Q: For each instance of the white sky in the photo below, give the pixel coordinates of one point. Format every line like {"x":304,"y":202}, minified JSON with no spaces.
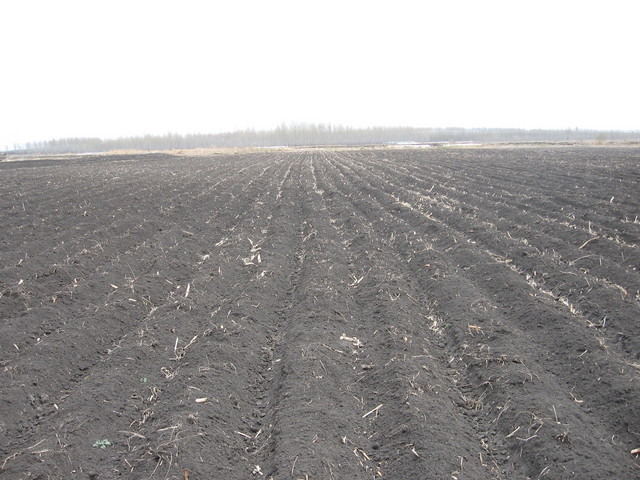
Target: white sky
{"x":119,"y":68}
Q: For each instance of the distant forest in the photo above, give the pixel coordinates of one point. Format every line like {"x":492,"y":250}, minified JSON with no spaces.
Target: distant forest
{"x":323,"y":134}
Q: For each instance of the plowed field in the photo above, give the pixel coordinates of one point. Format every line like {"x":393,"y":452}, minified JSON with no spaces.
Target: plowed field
{"x":347,"y":314}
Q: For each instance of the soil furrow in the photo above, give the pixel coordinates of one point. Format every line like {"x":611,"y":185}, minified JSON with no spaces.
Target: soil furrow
{"x":405,"y":367}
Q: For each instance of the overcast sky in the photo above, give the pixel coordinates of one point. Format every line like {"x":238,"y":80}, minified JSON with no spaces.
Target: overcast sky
{"x":120,"y":68}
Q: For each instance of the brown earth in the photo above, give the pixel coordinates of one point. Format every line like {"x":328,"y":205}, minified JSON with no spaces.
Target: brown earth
{"x":437,"y":313}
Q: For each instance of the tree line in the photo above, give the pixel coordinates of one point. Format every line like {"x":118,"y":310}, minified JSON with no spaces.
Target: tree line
{"x":299,"y":134}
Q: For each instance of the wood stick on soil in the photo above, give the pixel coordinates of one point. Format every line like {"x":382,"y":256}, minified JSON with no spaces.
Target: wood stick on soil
{"x":375,"y":410}
{"x":587,"y":242}
{"x":512,"y":433}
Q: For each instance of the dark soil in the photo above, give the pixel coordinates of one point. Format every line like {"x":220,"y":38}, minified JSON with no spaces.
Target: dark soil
{"x":347,"y":314}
